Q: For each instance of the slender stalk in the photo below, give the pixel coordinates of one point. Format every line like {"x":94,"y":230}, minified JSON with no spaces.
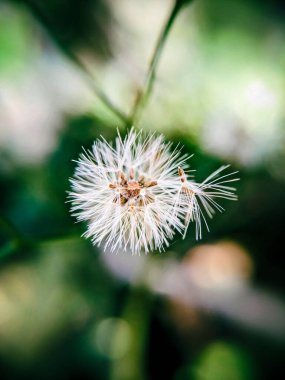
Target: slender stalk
{"x":93,"y":85}
{"x":137,"y":314}
{"x":144,"y":94}
{"x":34,"y":9}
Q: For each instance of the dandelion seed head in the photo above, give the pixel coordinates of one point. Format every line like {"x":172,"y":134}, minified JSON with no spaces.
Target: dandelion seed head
{"x":134,"y":194}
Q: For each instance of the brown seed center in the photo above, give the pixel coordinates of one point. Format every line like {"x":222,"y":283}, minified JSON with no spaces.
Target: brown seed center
{"x":128,"y":188}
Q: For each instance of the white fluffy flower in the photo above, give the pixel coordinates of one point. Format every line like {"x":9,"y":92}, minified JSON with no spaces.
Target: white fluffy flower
{"x":135,"y":194}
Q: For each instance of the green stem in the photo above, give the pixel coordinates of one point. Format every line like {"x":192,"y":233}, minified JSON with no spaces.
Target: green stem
{"x":34,"y":9}
{"x":136,"y":313}
{"x":144,"y":94}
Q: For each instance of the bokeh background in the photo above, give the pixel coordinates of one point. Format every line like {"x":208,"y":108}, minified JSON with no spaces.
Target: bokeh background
{"x":203,"y":310}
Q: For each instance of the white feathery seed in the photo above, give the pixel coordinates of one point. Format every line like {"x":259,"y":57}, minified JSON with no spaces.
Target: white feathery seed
{"x":135,"y":194}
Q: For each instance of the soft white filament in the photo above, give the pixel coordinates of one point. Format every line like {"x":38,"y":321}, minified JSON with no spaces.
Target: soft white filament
{"x":135,"y":194}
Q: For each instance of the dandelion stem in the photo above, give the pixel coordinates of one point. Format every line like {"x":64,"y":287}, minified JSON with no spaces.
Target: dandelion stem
{"x":143,"y":94}
{"x":136,"y":313}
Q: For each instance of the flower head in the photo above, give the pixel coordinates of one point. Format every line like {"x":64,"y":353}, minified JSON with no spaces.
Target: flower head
{"x":135,"y":194}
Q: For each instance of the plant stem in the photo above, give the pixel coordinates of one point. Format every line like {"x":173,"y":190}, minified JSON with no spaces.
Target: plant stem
{"x":136,"y":313}
{"x":34,"y":9}
{"x":143,"y":94}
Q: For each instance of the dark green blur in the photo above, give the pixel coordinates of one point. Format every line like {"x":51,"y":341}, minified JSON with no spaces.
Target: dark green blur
{"x":65,"y":312}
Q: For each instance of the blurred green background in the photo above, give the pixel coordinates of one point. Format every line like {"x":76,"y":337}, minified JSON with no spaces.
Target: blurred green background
{"x":207,"y":310}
